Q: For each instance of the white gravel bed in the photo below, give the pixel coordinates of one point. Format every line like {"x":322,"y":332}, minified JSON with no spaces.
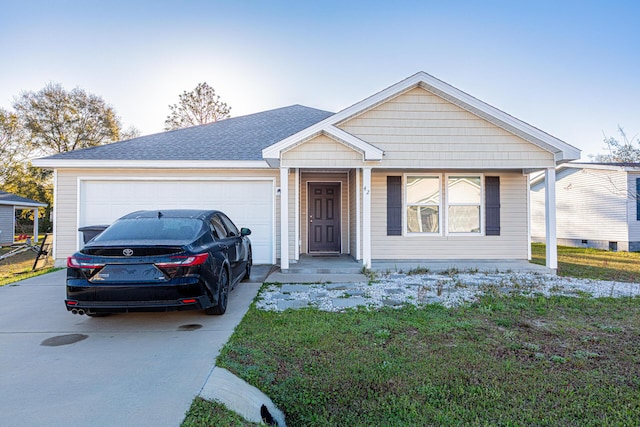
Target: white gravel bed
{"x":396,"y":290}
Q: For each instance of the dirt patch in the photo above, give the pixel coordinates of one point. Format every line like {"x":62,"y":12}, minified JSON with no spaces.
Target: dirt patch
{"x":16,"y":264}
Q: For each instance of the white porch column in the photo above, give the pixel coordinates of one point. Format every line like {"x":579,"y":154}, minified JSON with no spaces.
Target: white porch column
{"x":35,"y":225}
{"x":366,"y":217}
{"x":284,"y":218}
{"x":550,"y":217}
{"x":296,"y":223}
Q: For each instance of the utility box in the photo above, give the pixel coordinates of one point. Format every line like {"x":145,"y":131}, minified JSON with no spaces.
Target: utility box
{"x":91,"y":231}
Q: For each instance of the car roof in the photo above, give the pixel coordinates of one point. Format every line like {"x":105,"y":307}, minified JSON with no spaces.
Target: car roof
{"x":171,"y":213}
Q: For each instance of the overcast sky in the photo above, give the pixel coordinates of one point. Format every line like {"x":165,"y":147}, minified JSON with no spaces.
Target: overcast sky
{"x":570,"y":68}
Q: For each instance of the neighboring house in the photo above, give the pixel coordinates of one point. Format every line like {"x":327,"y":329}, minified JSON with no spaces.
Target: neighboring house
{"x":597,"y":206}
{"x":418,"y":171}
{"x":9,"y":204}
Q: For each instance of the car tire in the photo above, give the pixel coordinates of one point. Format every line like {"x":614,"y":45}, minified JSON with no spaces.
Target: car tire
{"x":247,"y":271}
{"x":223,"y":294}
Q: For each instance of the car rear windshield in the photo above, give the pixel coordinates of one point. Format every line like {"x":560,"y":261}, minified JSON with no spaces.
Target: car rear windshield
{"x":151,"y":229}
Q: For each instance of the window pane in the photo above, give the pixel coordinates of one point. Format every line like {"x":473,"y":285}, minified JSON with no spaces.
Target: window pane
{"x":422,"y":219}
{"x":464,"y":219}
{"x":423,"y":190}
{"x":151,"y":229}
{"x":464,"y":189}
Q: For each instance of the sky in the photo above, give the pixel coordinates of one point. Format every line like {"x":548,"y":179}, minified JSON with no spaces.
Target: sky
{"x":570,"y":68}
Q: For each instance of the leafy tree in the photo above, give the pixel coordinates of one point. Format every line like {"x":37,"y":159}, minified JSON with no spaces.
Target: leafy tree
{"x":34,"y":183}
{"x":56,"y":120}
{"x":12,"y":148}
{"x":620,"y":151}
{"x":51,"y":121}
{"x":197,"y":107}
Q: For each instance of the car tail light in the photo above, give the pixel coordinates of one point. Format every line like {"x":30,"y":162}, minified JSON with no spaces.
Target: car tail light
{"x":82,"y":262}
{"x":184,"y":261}
{"x":189,"y":301}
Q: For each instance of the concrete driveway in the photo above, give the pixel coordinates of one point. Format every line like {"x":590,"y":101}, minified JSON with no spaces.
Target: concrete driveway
{"x":142,"y":369}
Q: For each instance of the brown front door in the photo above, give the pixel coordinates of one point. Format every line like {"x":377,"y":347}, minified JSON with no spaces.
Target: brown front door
{"x":324,"y":217}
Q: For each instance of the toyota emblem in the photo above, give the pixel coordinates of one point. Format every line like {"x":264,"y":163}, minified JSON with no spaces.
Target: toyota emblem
{"x":127,"y":252}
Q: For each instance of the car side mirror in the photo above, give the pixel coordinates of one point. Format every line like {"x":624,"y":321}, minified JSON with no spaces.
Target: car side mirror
{"x":245,"y":231}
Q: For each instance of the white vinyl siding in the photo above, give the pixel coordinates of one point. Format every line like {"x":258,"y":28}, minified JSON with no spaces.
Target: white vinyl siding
{"x":6,"y":223}
{"x":69,"y":203}
{"x":591,"y":204}
{"x":418,"y":129}
{"x":510,"y":244}
{"x":322,"y":151}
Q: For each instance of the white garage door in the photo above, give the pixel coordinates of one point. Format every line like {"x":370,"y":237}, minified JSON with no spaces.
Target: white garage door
{"x":249,"y":203}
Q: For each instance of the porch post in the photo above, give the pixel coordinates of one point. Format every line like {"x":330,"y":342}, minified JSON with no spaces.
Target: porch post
{"x":358,"y":221}
{"x":296,"y":222}
{"x":284,"y":219}
{"x":366,"y":217}
{"x":550,"y":217}
{"x":35,"y":225}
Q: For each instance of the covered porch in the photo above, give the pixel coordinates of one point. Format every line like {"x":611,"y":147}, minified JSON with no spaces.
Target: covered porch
{"x":327,"y":216}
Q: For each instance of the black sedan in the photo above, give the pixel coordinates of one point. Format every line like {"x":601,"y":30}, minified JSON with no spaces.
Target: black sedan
{"x":159,"y":261}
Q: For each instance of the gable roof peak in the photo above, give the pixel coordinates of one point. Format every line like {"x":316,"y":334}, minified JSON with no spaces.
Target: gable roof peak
{"x":562,"y":151}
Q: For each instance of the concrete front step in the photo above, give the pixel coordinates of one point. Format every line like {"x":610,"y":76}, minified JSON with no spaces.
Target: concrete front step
{"x":279,"y":277}
{"x":324,"y":270}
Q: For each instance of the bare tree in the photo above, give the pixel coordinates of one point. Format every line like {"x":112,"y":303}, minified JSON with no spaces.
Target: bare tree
{"x":625,"y":151}
{"x":197,"y":107}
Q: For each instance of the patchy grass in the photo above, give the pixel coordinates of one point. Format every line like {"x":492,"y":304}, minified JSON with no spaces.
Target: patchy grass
{"x":18,"y":267}
{"x":501,"y":361}
{"x":591,"y":263}
{"x":208,"y":414}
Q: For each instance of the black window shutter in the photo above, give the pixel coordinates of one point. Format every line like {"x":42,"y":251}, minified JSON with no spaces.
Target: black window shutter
{"x":394,"y":206}
{"x":492,"y":205}
{"x":637,"y":199}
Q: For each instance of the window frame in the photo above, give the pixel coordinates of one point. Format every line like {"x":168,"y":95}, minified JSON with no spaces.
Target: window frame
{"x":406,"y":204}
{"x":481,"y":204}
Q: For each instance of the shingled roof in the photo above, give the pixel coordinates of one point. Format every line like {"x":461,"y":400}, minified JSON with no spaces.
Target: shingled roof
{"x":12,"y":199}
{"x":237,"y":138}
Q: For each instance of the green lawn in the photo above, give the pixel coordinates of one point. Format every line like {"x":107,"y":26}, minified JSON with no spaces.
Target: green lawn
{"x":592,"y":263}
{"x":19,"y":267}
{"x":507,"y":361}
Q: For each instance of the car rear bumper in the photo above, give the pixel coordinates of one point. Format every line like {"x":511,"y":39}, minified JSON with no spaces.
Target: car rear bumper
{"x":137,"y":306}
{"x":82,"y":295}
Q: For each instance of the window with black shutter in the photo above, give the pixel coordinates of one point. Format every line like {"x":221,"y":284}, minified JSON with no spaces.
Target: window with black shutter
{"x":492,"y":205}
{"x":394,"y":206}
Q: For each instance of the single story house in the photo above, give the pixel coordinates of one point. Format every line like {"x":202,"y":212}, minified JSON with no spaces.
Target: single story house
{"x":417,"y":171}
{"x":9,"y":204}
{"x":597,"y":206}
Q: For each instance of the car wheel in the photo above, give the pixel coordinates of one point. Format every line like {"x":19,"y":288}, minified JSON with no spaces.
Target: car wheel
{"x":223,"y":294}
{"x":247,"y":272}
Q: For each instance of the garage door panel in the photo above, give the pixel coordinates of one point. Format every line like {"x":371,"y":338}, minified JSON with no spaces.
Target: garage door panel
{"x":248,"y":203}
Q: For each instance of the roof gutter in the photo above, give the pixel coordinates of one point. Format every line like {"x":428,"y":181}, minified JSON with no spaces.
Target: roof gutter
{"x":49,"y":163}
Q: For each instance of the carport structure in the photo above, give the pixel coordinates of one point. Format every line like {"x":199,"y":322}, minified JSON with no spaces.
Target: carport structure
{"x":9,"y":204}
